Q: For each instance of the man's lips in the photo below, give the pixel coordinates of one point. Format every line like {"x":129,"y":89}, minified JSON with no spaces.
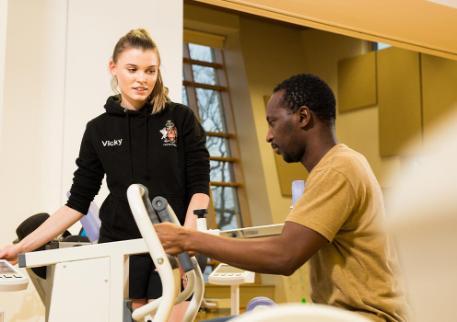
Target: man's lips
{"x":275,"y":148}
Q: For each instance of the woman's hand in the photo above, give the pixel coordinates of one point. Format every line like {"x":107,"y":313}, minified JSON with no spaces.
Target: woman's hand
{"x":10,"y":253}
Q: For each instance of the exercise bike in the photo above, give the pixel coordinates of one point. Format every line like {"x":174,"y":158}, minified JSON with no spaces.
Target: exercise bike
{"x":90,"y":282}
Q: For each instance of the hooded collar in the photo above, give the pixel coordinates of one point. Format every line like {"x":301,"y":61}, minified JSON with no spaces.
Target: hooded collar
{"x":113,"y":106}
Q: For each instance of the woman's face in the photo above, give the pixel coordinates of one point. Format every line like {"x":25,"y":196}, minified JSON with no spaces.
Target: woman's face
{"x":136,"y":71}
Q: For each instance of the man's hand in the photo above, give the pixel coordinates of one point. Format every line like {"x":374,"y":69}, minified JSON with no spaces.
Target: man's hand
{"x":174,"y":238}
{"x":10,"y":253}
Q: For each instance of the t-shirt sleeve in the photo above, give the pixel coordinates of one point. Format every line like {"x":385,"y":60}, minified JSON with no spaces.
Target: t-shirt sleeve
{"x":197,"y":156}
{"x":326,"y":204}
{"x":87,"y":178}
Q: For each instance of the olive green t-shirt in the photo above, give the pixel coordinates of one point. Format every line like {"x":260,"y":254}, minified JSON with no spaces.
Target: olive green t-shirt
{"x":355,"y":270}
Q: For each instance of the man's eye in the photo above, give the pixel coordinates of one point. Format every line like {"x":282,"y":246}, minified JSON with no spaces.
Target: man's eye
{"x":131,"y":70}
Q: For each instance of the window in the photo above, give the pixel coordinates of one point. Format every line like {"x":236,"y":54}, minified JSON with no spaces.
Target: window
{"x":380,"y":46}
{"x":205,"y":90}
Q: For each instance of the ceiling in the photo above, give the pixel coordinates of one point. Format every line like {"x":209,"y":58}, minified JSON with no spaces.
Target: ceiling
{"x":428,"y":26}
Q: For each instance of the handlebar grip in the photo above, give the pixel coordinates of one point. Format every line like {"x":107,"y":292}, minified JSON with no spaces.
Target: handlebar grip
{"x":160,"y":204}
{"x":147,"y":203}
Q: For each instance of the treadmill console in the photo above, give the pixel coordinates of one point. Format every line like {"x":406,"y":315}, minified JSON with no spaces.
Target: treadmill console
{"x":10,"y":278}
{"x":225,"y":274}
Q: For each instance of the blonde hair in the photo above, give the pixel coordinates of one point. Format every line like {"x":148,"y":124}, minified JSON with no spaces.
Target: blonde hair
{"x":140,"y":38}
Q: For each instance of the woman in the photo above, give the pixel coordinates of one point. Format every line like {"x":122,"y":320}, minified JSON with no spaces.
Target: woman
{"x":144,"y":138}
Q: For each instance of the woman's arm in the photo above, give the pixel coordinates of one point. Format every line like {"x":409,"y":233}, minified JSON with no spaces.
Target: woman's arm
{"x":51,"y":228}
{"x":198,"y":201}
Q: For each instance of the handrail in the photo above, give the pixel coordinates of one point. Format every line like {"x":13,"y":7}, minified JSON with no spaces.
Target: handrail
{"x":145,"y":215}
{"x":134,"y":195}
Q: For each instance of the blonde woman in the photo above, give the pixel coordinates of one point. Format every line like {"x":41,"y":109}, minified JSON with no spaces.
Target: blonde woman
{"x":142,"y":137}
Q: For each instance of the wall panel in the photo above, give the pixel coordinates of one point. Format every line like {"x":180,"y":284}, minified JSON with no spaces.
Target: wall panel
{"x":399,"y":99}
{"x":439,"y":82}
{"x":357,"y":82}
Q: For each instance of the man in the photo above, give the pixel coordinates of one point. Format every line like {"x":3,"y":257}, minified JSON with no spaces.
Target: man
{"x":335,"y":224}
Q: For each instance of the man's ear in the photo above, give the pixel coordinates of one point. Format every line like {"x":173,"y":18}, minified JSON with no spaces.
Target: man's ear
{"x":304,"y":114}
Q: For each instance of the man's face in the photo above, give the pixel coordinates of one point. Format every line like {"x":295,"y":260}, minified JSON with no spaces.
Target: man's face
{"x":283,"y":130}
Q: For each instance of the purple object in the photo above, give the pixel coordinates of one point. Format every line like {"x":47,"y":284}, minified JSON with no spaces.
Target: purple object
{"x":259,"y":301}
{"x":298,"y":187}
{"x":91,"y":223}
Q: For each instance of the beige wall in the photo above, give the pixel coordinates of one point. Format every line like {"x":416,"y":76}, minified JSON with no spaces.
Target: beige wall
{"x":3,"y":24}
{"x":53,"y":79}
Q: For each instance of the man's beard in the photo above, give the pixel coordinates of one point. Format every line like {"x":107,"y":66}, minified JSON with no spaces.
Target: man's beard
{"x":292,"y":158}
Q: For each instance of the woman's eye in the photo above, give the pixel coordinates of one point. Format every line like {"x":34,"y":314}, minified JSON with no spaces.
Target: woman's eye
{"x":151,"y":71}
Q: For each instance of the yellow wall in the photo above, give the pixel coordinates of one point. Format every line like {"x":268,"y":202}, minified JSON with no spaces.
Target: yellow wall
{"x":255,"y":64}
{"x":272,"y":52}
{"x":259,"y":54}
{"x":359,"y":128}
{"x":381,"y":21}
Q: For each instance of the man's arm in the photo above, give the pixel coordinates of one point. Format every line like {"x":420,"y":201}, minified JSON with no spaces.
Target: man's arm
{"x":281,"y":254}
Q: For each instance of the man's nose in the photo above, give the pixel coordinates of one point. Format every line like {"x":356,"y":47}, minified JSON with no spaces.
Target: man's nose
{"x":269,"y":136}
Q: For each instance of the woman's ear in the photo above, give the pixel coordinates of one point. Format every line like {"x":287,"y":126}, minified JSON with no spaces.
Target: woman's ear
{"x":112,"y":67}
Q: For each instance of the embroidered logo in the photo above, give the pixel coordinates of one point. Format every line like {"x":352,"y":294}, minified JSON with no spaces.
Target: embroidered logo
{"x":112,"y":142}
{"x":169,"y":134}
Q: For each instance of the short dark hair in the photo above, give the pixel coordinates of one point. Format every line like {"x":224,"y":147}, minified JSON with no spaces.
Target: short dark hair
{"x":311,"y":91}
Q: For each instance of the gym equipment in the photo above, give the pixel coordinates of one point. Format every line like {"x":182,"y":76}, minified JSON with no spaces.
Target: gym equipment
{"x":251,"y":232}
{"x":10,"y":278}
{"x":89,"y":282}
{"x":259,"y":302}
{"x":300,"y":313}
{"x":144,"y":216}
{"x":201,"y":219}
{"x":225,"y":274}
{"x":298,"y":188}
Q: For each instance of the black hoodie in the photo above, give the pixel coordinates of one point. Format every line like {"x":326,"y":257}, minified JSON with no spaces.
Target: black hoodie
{"x":165,"y":152}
